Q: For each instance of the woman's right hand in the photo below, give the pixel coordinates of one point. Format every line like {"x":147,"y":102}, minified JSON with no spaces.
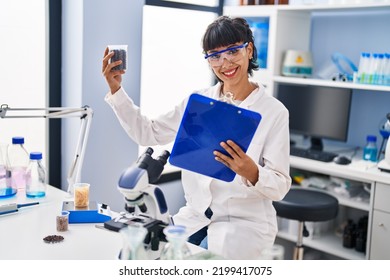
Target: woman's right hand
{"x":113,"y":77}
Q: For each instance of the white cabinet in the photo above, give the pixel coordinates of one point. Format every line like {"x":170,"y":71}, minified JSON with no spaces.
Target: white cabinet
{"x":380,"y":237}
{"x":328,"y":236}
{"x":376,"y":208}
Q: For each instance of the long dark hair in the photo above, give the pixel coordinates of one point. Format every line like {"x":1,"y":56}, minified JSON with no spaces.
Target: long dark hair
{"x":226,"y":31}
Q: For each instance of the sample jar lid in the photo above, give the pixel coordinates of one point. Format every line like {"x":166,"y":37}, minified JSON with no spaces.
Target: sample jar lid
{"x":35,"y":155}
{"x":17,"y":140}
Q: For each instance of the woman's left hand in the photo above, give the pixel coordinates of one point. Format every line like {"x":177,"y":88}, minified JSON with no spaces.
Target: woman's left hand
{"x":238,"y":161}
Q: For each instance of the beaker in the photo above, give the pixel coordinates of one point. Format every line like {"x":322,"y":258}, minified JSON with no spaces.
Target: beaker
{"x":176,"y":248}
{"x":6,"y":189}
{"x":133,"y":242}
{"x":274,"y":252}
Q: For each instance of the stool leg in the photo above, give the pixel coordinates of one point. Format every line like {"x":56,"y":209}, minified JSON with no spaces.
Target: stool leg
{"x":298,"y":250}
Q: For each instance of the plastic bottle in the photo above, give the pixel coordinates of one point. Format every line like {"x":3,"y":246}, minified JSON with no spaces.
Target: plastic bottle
{"x":6,"y":189}
{"x":375,"y":68}
{"x":386,"y":69}
{"x":371,"y":68}
{"x":18,"y":161}
{"x":370,"y":151}
{"x":379,"y":75}
{"x":35,"y":176}
{"x":363,"y":67}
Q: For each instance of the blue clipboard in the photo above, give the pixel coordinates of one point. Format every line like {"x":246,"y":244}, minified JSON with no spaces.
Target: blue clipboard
{"x":206,"y":122}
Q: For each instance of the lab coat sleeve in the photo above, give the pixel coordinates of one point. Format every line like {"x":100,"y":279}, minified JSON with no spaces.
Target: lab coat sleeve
{"x":274,"y":179}
{"x":144,"y":131}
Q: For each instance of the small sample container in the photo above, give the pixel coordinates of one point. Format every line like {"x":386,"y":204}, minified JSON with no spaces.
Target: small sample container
{"x":81,"y":195}
{"x":62,"y":221}
{"x":120,"y":53}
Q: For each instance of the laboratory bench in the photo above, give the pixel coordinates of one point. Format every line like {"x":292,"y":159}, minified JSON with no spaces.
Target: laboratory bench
{"x":22,"y":233}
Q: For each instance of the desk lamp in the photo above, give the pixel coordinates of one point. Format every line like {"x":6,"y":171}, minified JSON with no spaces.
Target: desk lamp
{"x":84,"y":113}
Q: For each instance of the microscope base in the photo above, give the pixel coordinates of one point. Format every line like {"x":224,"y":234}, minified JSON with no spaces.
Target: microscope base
{"x":154,"y":227}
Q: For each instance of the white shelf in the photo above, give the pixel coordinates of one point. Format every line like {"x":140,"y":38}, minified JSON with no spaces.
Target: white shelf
{"x":328,"y":242}
{"x":354,"y":171}
{"x":365,"y":206}
{"x":335,"y":7}
{"x":327,"y":83}
{"x":344,"y":201}
{"x":261,"y":10}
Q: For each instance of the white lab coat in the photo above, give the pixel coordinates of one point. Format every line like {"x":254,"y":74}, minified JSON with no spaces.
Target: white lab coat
{"x":244,"y":220}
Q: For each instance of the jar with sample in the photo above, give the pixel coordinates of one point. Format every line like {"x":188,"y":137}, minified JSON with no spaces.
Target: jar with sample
{"x":35,"y":176}
{"x":81,"y":195}
{"x":120,"y":53}
{"x":18,"y":160}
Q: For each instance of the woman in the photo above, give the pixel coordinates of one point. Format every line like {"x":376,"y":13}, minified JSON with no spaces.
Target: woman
{"x":237,"y":218}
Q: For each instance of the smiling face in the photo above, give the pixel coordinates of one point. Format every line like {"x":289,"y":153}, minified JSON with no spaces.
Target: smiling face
{"x":228,"y":46}
{"x":230,"y":63}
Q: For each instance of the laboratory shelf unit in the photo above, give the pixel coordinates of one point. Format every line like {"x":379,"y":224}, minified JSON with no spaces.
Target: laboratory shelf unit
{"x":326,"y":83}
{"x":290,"y":28}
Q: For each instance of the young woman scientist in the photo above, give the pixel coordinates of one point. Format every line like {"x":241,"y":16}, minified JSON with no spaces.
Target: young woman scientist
{"x":237,"y":217}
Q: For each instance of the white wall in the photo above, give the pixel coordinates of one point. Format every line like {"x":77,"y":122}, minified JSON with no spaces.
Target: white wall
{"x":23,"y":75}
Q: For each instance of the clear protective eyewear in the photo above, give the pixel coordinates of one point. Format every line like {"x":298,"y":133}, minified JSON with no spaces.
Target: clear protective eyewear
{"x":232,"y":54}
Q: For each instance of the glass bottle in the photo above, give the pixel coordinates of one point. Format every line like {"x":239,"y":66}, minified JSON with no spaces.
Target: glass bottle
{"x":6,"y":189}
{"x":35,"y":176}
{"x":370,"y":151}
{"x":133,"y":242}
{"x":176,"y":248}
{"x":18,"y":160}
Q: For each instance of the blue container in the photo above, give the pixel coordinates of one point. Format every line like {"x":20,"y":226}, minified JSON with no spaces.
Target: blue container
{"x":370,"y":151}
{"x":260,"y":30}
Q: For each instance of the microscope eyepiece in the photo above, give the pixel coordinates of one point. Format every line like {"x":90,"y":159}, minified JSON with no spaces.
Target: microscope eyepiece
{"x":164,"y":157}
{"x":149,"y":151}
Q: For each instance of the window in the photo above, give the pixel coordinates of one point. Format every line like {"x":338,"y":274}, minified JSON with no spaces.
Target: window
{"x":173,"y":65}
{"x":23,"y":30}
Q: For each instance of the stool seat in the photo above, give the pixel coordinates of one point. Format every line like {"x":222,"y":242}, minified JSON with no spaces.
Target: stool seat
{"x":307,"y":206}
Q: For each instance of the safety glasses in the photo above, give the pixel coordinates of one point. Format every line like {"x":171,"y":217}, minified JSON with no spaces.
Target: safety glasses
{"x":232,"y":54}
